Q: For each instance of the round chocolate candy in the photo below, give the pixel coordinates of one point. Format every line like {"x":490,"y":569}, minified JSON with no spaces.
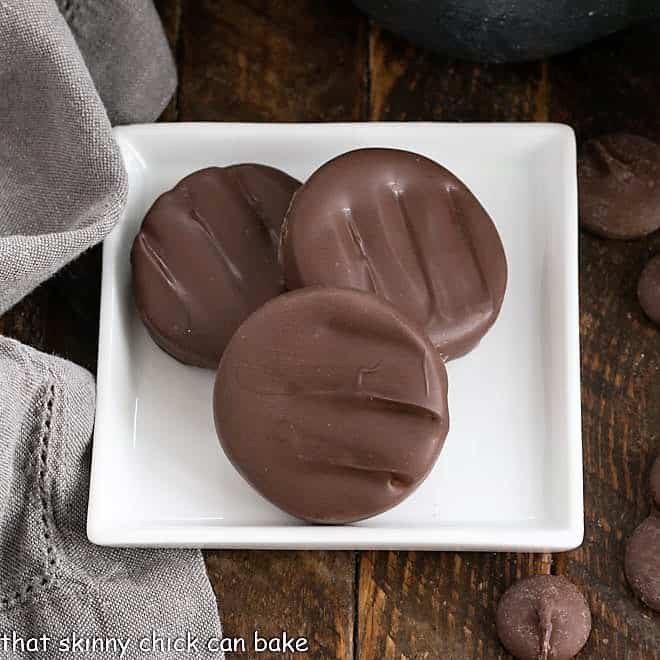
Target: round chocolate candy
{"x":655,"y":480}
{"x":543,"y":617}
{"x":642,"y":563}
{"x":203,"y":259}
{"x":401,"y":226}
{"x":648,"y":289}
{"x":619,"y":186}
{"x":331,"y":404}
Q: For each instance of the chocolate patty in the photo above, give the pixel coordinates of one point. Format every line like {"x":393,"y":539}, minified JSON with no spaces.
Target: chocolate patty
{"x":543,"y":617}
{"x":203,"y":259}
{"x":655,"y":480}
{"x":619,"y":186}
{"x":648,"y":289}
{"x":331,"y":404}
{"x":403,"y":227}
{"x":642,"y":562}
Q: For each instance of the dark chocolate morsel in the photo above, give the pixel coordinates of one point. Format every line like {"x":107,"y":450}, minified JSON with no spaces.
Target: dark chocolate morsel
{"x":203,"y":259}
{"x":642,"y":562}
{"x":331,"y":404}
{"x":619,"y":186}
{"x":648,"y":289}
{"x":403,"y":227}
{"x":655,"y":480}
{"x":543,"y":617}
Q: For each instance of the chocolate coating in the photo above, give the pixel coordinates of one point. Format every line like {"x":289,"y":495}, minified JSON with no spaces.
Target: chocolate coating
{"x":331,"y":404}
{"x":543,"y":617}
{"x":619,"y":186}
{"x":268,"y":191}
{"x":642,"y":563}
{"x":655,"y":480}
{"x":648,"y":289}
{"x":203,"y":259}
{"x":401,"y":226}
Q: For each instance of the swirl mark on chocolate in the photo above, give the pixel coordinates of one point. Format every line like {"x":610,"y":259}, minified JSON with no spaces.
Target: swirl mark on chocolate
{"x":157,"y":261}
{"x":545,"y":614}
{"x":358,"y":241}
{"x":395,"y":479}
{"x":168,"y":276}
{"x":253,"y":202}
{"x":319,"y":444}
{"x":463,"y":229}
{"x":358,"y":398}
{"x":365,"y":371}
{"x":431,"y":302}
{"x":609,"y":162}
{"x":425,"y":370}
{"x":346,"y":458}
{"x":197,"y":217}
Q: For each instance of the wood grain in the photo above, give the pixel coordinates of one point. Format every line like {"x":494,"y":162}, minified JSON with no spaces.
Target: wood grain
{"x":408,"y":84}
{"x":621,"y":419}
{"x":62,"y":315}
{"x":611,"y":86}
{"x":435,"y":605}
{"x":306,"y":594}
{"x":271,"y":60}
{"x":170,"y":16}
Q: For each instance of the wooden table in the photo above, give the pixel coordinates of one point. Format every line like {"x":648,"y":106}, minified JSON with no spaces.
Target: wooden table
{"x":313,"y":60}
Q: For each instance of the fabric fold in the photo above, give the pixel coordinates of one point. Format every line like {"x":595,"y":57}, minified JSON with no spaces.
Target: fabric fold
{"x":124,"y":48}
{"x":54,"y":582}
{"x":62,"y":182}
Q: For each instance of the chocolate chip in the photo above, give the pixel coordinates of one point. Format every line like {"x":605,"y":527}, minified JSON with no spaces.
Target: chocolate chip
{"x":648,"y":289}
{"x":619,"y":186}
{"x":544,"y":617}
{"x":642,"y":562}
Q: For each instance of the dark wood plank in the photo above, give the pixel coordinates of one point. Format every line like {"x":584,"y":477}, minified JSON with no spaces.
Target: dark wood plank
{"x":611,"y":86}
{"x":26,"y":321}
{"x":306,"y":594}
{"x":621,"y":419}
{"x":272,"y":60}
{"x":277,"y":61}
{"x":441,"y":605}
{"x":408,"y":83}
{"x":170,"y":16}
{"x":435,"y":605}
{"x":62,"y":315}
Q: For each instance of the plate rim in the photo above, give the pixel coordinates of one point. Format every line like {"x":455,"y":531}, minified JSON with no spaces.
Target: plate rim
{"x":566,"y":536}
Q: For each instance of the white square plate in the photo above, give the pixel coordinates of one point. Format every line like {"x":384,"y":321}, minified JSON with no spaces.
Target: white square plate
{"x":510,"y":475}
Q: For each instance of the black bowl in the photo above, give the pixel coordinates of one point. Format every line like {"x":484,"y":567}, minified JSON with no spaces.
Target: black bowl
{"x":507,"y":30}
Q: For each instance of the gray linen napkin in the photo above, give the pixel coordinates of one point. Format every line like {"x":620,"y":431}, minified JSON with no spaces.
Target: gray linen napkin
{"x":62,"y":188}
